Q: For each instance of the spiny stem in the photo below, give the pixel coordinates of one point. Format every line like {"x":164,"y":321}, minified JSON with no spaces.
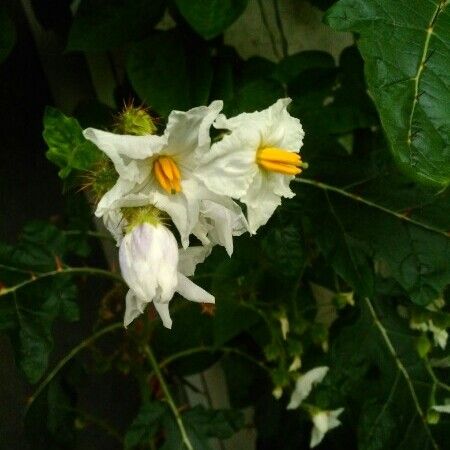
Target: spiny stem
{"x":65,"y":271}
{"x":357,"y":198}
{"x":154,"y":363}
{"x":82,"y":345}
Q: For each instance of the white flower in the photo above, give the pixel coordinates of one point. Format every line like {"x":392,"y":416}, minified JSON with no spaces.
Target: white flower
{"x":440,"y":335}
{"x":159,"y":170}
{"x":152,"y":267}
{"x":442,"y":408}
{"x":256,"y":161}
{"x":323,"y":422}
{"x":304,"y":385}
{"x":220,"y":219}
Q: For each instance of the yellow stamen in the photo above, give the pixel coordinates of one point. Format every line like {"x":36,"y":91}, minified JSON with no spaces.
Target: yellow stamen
{"x":279,"y":160}
{"x":167,"y":174}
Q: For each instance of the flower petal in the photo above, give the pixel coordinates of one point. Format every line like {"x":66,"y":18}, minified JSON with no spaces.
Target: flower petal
{"x":189,"y":131}
{"x":188,"y":258}
{"x":261,"y":202}
{"x":229,"y":167}
{"x":127,"y":152}
{"x":134,"y":307}
{"x":190,"y":291}
{"x":304,"y":385}
{"x":163,"y":310}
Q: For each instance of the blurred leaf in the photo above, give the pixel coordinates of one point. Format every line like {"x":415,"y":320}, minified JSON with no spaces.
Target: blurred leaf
{"x":100,"y":25}
{"x":33,"y":309}
{"x":293,"y":65}
{"x":190,"y":329}
{"x":146,"y":424}
{"x":37,"y":307}
{"x":7,"y":34}
{"x":209,"y":18}
{"x":202,"y":424}
{"x":393,"y":386}
{"x":67,"y":147}
{"x":408,"y":81}
{"x":255,"y":96}
{"x":170,"y":70}
{"x":285,"y":251}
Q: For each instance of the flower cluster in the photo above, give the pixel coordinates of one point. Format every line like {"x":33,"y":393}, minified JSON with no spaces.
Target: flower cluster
{"x":197,"y":184}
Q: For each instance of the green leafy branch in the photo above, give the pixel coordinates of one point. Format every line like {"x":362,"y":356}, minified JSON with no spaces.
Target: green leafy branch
{"x":402,"y":369}
{"x":55,"y":273}
{"x":371,"y":204}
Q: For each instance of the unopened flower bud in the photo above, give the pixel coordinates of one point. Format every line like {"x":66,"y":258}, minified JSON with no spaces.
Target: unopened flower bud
{"x":134,"y":121}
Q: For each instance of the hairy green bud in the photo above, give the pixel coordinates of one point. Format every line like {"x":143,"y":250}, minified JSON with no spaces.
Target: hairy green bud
{"x":134,"y":120}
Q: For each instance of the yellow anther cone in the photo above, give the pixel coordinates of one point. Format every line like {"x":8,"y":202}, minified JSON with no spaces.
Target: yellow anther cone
{"x":279,"y":160}
{"x":167,"y":174}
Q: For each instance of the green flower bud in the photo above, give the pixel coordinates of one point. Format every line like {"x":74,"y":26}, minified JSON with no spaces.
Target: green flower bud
{"x":135,"y":121}
{"x":433,"y":417}
{"x":423,"y":346}
{"x":143,"y":214}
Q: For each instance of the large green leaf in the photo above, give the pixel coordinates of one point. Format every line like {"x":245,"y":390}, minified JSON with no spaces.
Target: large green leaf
{"x":7,"y":34}
{"x":67,"y":147}
{"x":101,"y":25}
{"x":170,"y":70}
{"x":375,"y":363}
{"x":29,"y":312}
{"x":146,"y":424}
{"x":405,"y":47}
{"x":202,"y":424}
{"x":211,"y":17}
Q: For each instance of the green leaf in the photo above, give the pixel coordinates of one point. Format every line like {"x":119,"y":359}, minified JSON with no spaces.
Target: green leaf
{"x":255,"y":96}
{"x":202,"y":424}
{"x":100,"y":25}
{"x":145,"y":425}
{"x":37,"y":308}
{"x":30,"y":312}
{"x":170,"y":70}
{"x":381,"y":369}
{"x":408,"y":81}
{"x":67,"y":147}
{"x":209,"y":18}
{"x":219,"y":423}
{"x":293,"y":65}
{"x":7,"y":34}
{"x":285,"y":251}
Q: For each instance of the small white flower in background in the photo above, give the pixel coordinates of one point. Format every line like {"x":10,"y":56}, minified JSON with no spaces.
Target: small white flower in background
{"x":442,"y":408}
{"x":440,"y":335}
{"x":304,"y":385}
{"x":324,"y":421}
{"x":256,"y":161}
{"x":150,"y":265}
{"x":161,"y":170}
{"x":284,"y":324}
{"x":295,"y":364}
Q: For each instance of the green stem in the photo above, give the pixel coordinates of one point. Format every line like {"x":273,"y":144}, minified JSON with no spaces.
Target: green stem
{"x":154,"y":363}
{"x":357,"y":198}
{"x":384,"y":334}
{"x":192,"y":351}
{"x":67,"y":271}
{"x":436,"y":380}
{"x":82,"y":345}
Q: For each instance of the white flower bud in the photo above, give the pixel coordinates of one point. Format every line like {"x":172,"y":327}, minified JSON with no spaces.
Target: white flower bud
{"x":148,"y":259}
